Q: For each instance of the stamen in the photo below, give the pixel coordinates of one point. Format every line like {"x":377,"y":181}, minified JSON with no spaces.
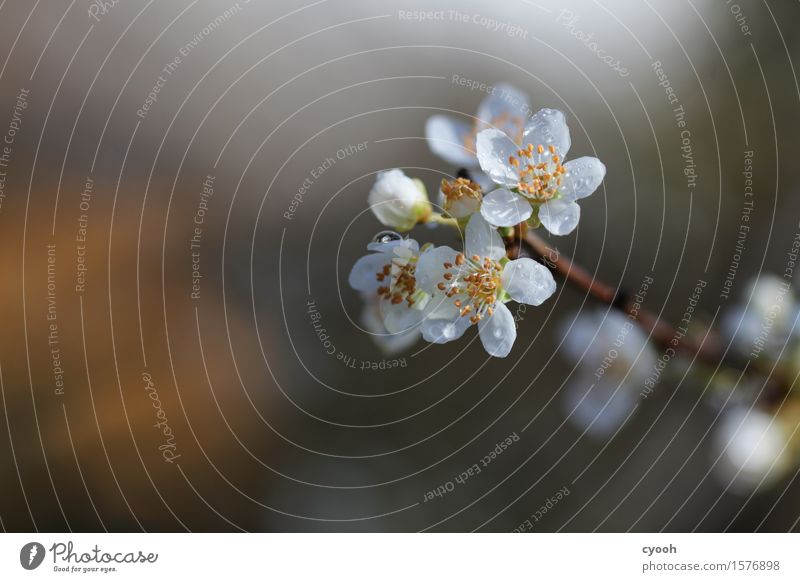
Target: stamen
{"x":540,"y":181}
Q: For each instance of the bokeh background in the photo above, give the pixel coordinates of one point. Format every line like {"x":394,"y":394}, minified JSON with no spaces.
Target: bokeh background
{"x":268,"y":431}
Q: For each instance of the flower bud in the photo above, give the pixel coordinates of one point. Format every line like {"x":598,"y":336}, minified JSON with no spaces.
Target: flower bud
{"x":398,"y":201}
{"x":461,"y":197}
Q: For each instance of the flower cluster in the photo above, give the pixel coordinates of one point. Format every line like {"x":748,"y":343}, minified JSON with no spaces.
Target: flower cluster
{"x":442,"y":292}
{"x":512,"y":175}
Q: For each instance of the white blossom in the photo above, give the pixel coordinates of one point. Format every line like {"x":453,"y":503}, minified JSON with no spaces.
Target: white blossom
{"x":472,"y":288}
{"x":387,"y":276}
{"x":533,"y":177}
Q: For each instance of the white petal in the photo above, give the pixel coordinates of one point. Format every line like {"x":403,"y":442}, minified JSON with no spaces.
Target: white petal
{"x":464,"y":207}
{"x":363,"y":276}
{"x":446,"y":137}
{"x":441,"y":307}
{"x":494,"y":149}
{"x":430,"y":267}
{"x":442,"y":322}
{"x":482,"y":239}
{"x":399,"y":318}
{"x":560,"y":216}
{"x":504,"y":208}
{"x":583,"y":177}
{"x":498,"y":332}
{"x":484,"y":181}
{"x":548,"y":127}
{"x":528,"y":282}
{"x":389,"y":344}
{"x":388,"y":247}
{"x":506,"y":109}
{"x":441,"y":331}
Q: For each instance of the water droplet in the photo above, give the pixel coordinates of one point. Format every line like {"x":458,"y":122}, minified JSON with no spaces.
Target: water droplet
{"x":387,"y":236}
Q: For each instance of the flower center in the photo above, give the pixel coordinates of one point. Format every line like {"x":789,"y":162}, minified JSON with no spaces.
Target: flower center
{"x":402,"y":284}
{"x":475,"y":282}
{"x":540,"y":173}
{"x":511,"y":125}
{"x":460,"y":188}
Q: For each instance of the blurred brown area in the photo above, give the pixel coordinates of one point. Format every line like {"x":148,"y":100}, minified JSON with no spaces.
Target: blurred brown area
{"x":146,"y":430}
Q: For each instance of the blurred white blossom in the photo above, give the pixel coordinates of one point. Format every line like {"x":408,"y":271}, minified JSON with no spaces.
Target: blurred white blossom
{"x":764,"y":323}
{"x":613,"y":358}
{"x":752,"y":450}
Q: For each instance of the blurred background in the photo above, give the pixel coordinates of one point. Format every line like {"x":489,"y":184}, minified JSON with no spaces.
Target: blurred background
{"x":181,"y":183}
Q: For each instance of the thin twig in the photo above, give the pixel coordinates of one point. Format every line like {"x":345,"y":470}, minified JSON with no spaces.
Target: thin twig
{"x":709,"y":350}
{"x":660,"y":331}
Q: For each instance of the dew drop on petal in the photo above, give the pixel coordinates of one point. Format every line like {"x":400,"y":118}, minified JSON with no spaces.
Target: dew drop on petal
{"x":387,"y":236}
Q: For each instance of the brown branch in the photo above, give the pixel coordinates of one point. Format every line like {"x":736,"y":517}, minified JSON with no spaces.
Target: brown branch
{"x":660,"y":331}
{"x":708,"y":350}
